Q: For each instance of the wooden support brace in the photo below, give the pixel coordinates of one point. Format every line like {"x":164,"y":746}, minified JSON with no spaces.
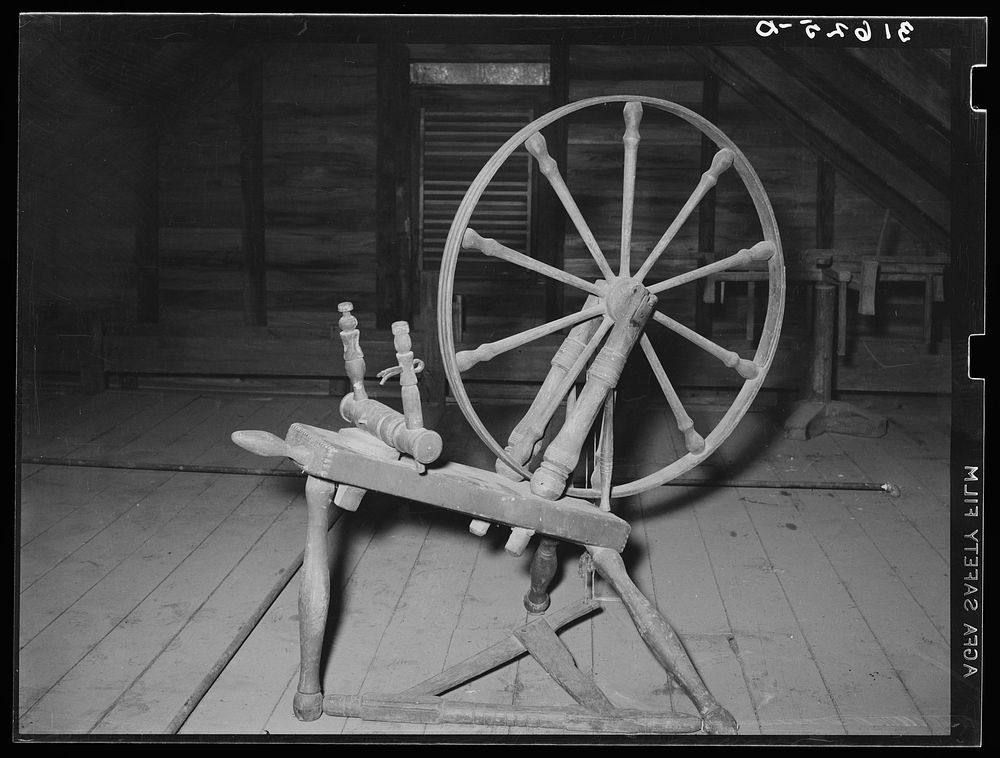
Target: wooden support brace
{"x":662,"y":641}
{"x":541,"y":641}
{"x":496,"y":655}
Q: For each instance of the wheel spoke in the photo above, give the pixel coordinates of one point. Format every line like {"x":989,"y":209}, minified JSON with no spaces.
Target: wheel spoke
{"x":762,"y":251}
{"x":633,"y":115}
{"x":693,"y":441}
{"x":535,"y":144}
{"x":746,"y":369}
{"x":490,"y":350}
{"x":722,"y":161}
{"x":494,"y":249}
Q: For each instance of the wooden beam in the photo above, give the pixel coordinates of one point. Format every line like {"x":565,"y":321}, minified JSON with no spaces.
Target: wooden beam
{"x":393,"y":270}
{"x":880,"y":118}
{"x":147,"y":223}
{"x":904,"y":72}
{"x":756,"y":78}
{"x":457,"y":487}
{"x":251,"y":118}
{"x":826,"y":193}
{"x":550,"y":227}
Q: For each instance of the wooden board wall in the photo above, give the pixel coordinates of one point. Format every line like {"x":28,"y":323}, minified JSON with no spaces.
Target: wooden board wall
{"x":76,"y":199}
{"x":81,"y":154}
{"x":319,"y":194}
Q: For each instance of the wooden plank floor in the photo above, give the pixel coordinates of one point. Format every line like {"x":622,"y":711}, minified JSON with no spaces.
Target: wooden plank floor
{"x":807,"y":611}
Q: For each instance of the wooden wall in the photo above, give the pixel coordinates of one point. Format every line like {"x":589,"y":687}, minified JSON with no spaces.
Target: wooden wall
{"x":77,"y":148}
{"x":84,"y":156}
{"x":319,"y":194}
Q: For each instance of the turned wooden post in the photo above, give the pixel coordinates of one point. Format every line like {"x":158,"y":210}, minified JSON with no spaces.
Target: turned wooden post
{"x":543,"y":568}
{"x":408,"y":388}
{"x":354,"y":359}
{"x":631,"y":307}
{"x":314,"y":599}
{"x":525,"y":436}
{"x":662,"y":641}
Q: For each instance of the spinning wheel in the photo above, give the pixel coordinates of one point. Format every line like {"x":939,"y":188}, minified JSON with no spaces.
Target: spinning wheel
{"x":615,"y":313}
{"x":391,"y":452}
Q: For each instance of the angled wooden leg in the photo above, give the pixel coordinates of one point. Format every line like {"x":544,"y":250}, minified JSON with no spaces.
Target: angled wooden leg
{"x":662,"y":641}
{"x":543,"y":568}
{"x":314,"y":599}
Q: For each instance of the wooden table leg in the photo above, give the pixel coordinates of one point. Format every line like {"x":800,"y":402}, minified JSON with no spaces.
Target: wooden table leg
{"x":314,"y":599}
{"x":662,"y":641}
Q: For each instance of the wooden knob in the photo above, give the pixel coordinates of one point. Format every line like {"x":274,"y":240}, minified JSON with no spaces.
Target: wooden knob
{"x":535,"y":144}
{"x":472,"y":240}
{"x":762,"y":251}
{"x":747,"y":369}
{"x":260,"y":443}
{"x":720,"y":163}
{"x":401,"y":337}
{"x":347,"y":320}
{"x":518,"y":540}
{"x":269,"y":445}
{"x":479,"y":527}
{"x":633,"y":116}
{"x":693,"y":441}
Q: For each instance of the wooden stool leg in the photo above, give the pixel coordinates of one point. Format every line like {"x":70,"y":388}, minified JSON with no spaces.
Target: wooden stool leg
{"x":662,"y":641}
{"x":314,"y":599}
{"x":543,"y":568}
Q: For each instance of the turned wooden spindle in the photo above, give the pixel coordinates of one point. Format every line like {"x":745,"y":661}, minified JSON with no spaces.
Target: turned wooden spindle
{"x":409,"y":391}
{"x":354,"y":359}
{"x":405,"y":433}
{"x":466,"y":359}
{"x":762,"y":251}
{"x":524,"y":438}
{"x":565,"y":365}
{"x":633,"y":116}
{"x":693,"y":441}
{"x":720,"y":163}
{"x":745,"y":368}
{"x":535,"y":145}
{"x":389,"y":425}
{"x":563,"y":453}
{"x":472,"y":240}
{"x":543,"y":568}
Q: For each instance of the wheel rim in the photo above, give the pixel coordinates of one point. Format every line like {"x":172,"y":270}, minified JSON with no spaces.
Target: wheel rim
{"x":766,"y":346}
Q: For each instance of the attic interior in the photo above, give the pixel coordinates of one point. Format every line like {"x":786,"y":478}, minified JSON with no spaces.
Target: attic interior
{"x":199,"y":196}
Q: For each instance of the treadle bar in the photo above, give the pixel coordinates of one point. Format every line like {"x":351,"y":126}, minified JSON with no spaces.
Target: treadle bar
{"x":495,"y":655}
{"x":436,"y":710}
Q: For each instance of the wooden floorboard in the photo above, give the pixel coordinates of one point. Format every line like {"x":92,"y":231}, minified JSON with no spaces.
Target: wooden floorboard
{"x":125,"y":570}
{"x":814,"y":612}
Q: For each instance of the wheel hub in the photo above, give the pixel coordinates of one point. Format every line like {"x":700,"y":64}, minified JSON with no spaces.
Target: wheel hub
{"x":622,"y":296}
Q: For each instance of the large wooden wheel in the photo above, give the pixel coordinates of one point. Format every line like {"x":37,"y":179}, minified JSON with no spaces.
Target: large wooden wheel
{"x":619,"y":307}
